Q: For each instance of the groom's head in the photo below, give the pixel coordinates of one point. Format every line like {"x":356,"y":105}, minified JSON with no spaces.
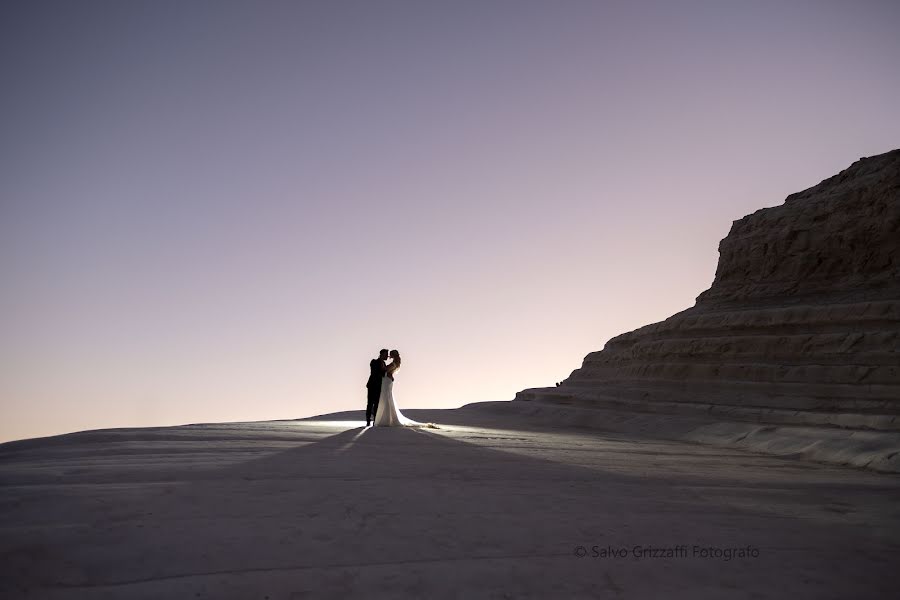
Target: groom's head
{"x":383,"y":355}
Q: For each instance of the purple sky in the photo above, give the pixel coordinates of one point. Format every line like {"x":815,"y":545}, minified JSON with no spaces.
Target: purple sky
{"x":219,"y":211}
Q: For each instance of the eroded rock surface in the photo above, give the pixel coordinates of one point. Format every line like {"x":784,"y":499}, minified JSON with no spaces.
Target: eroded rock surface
{"x":803,"y":317}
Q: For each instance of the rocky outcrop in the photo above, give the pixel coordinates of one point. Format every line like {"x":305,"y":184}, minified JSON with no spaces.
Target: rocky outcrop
{"x":801,"y":324}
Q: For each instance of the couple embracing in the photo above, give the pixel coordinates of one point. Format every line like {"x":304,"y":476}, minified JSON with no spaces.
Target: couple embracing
{"x":381,"y":407}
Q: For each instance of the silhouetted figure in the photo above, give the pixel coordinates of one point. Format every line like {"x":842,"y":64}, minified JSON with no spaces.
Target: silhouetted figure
{"x":388,"y":414}
{"x":377,"y":368}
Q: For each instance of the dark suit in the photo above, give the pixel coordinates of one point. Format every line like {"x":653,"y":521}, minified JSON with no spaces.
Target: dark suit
{"x":376,"y":372}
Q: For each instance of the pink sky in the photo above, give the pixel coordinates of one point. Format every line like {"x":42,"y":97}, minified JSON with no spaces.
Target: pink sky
{"x":220,"y":211}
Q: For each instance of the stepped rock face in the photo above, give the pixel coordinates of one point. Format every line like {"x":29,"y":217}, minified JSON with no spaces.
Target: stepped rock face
{"x":803,"y":314}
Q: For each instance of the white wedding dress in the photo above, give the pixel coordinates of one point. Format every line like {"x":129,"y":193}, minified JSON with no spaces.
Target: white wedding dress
{"x":388,"y":414}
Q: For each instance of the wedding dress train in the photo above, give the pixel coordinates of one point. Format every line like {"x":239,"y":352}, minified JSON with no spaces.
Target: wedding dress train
{"x":388,"y":414}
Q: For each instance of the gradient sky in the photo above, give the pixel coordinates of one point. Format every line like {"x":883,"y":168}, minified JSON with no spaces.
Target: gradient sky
{"x":220,"y":211}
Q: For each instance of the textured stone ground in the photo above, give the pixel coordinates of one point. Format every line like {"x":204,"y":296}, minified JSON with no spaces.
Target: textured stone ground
{"x":485,"y":507}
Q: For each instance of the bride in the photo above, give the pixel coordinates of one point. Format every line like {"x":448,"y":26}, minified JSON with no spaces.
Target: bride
{"x":388,"y":414}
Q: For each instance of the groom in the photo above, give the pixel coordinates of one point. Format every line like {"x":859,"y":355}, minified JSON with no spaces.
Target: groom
{"x":377,"y":368}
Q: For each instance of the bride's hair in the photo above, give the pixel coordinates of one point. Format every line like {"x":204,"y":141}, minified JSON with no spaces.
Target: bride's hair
{"x":395,"y":355}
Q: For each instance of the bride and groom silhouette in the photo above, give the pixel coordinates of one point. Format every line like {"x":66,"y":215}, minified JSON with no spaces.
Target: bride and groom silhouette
{"x":381,"y":407}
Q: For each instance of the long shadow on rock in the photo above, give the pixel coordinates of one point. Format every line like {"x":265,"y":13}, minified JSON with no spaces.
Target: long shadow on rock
{"x":405,"y":503}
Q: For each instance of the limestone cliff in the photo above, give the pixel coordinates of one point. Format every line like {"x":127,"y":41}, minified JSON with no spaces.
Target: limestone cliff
{"x":803,"y":315}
